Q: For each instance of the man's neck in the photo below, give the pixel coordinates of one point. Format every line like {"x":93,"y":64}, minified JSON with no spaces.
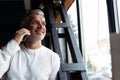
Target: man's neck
{"x":32,"y":45}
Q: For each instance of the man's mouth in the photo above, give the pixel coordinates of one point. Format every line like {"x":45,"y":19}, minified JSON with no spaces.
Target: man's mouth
{"x":40,"y":31}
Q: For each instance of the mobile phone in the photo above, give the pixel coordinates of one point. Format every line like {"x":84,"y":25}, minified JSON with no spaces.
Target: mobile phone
{"x":25,"y":37}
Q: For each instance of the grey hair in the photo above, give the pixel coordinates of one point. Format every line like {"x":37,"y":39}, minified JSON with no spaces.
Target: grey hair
{"x":26,"y":18}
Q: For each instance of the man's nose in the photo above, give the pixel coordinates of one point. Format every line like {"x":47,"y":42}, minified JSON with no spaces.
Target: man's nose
{"x":40,"y":25}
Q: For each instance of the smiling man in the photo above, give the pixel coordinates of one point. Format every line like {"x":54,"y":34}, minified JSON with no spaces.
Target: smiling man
{"x":29,"y":60}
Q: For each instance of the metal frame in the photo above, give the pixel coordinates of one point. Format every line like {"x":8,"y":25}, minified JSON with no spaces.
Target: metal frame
{"x":67,"y":70}
{"x":113,"y":16}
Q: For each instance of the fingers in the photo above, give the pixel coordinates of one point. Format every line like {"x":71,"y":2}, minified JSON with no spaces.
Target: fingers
{"x":18,"y":37}
{"x":23,"y":32}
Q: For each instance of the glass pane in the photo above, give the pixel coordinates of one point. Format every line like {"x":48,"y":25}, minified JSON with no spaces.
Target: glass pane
{"x":73,"y":19}
{"x":118,"y":7}
{"x":96,"y":39}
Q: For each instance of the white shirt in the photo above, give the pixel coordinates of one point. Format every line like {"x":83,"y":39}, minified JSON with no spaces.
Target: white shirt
{"x":28,"y":64}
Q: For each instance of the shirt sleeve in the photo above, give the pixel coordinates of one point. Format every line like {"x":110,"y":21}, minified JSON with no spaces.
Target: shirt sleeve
{"x":6,"y":55}
{"x":55,"y":67}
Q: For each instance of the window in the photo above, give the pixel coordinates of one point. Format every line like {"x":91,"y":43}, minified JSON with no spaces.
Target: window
{"x":96,"y":38}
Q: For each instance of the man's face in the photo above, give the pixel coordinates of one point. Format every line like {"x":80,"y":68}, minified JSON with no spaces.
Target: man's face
{"x":37,"y":26}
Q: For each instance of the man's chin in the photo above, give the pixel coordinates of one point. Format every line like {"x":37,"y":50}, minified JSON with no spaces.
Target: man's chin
{"x":40,"y":37}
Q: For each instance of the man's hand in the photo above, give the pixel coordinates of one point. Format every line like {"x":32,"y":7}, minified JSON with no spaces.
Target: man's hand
{"x":18,"y":37}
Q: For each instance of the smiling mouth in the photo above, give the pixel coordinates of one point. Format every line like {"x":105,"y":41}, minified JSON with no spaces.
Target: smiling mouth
{"x":40,"y":31}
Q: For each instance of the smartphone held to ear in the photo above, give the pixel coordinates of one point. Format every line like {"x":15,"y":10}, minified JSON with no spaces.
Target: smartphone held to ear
{"x":25,"y":37}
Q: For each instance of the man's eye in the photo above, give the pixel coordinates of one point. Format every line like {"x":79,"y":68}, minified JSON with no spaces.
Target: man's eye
{"x":43,"y":23}
{"x":33,"y":22}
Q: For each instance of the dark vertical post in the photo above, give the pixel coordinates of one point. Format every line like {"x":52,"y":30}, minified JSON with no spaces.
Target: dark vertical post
{"x":112,"y":16}
{"x":68,"y":71}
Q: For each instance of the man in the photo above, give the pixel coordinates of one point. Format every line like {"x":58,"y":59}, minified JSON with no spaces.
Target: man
{"x":29,"y":60}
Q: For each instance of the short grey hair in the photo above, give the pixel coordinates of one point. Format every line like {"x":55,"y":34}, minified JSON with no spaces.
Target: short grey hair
{"x":26,"y":18}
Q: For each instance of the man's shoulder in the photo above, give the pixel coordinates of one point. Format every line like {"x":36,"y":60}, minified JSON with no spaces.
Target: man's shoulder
{"x":47,"y":49}
{"x":50,"y":51}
